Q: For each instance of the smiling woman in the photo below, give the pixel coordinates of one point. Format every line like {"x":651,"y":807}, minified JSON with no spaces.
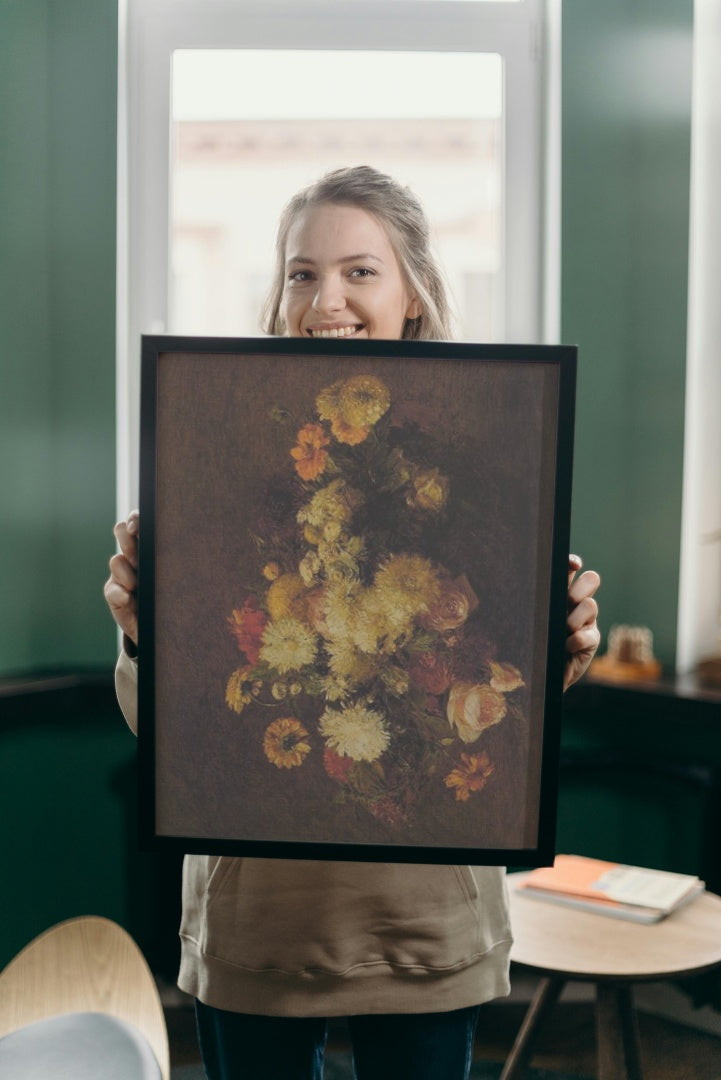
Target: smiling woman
{"x":353,"y":259}
{"x":337,"y":293}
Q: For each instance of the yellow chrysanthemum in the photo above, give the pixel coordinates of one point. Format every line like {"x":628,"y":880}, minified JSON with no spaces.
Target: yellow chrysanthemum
{"x":286,"y":597}
{"x":356,"y":732}
{"x":311,"y":534}
{"x":374,"y":624}
{"x":406,"y":584}
{"x":309,"y":568}
{"x":358,"y":402}
{"x":339,"y":607}
{"x":328,"y":401}
{"x":287,"y":645}
{"x":350,"y":436}
{"x":285,"y":744}
{"x":348,"y":663}
{"x":336,"y":502}
{"x":334,"y":687}
{"x":237,"y":694}
{"x":363,"y":400}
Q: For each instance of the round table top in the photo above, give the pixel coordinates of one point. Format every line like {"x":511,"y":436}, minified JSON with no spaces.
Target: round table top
{"x":559,"y":940}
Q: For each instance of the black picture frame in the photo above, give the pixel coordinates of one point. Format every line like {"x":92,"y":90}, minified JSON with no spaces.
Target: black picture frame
{"x":353,"y":574}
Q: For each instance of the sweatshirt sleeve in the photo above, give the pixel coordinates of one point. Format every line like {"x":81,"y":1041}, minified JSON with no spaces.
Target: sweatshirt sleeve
{"x":126,"y":688}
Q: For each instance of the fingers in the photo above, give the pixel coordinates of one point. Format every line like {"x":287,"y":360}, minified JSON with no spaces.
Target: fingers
{"x":121,"y":587}
{"x":584,"y":641}
{"x":123,"y":608}
{"x":583,"y":587}
{"x":126,"y":533}
{"x":583,"y":613}
{"x":575,"y":562}
{"x":583,"y":636}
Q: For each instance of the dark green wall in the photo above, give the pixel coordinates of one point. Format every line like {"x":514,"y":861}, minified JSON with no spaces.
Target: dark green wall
{"x":58,"y":73}
{"x":626,"y":145}
{"x":66,"y":770}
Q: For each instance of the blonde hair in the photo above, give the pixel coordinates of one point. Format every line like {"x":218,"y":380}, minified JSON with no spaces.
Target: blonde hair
{"x":403,"y":217}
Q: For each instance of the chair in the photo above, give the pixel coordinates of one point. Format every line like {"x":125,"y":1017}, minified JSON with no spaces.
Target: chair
{"x":80,"y":1002}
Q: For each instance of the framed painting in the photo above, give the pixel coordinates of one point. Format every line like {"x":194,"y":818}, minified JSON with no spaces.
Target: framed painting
{"x":352,"y":597}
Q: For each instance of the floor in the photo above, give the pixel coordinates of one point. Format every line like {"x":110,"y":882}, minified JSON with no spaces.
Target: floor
{"x":669,"y":1051}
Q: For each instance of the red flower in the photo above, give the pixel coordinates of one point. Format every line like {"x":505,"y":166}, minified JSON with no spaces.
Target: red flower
{"x":431,"y":672}
{"x":387,"y":811}
{"x":336,"y":765}
{"x":247,"y":625}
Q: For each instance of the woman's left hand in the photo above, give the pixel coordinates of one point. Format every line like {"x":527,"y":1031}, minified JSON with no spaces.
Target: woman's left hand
{"x":583,"y":636}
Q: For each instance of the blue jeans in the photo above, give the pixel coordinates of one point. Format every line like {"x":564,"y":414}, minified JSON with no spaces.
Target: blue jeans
{"x":415,"y":1046}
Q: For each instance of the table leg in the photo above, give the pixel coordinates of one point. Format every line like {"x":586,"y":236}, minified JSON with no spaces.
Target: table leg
{"x":545,"y":997}
{"x":617,"y":1033}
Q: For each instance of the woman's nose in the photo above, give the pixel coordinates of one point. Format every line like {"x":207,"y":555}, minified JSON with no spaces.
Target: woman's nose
{"x":329,"y":296}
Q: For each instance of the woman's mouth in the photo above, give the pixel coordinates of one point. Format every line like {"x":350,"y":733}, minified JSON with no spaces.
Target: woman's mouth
{"x":335,"y":331}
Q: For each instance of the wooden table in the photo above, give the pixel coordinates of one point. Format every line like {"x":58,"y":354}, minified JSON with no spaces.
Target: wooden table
{"x":563,"y":944}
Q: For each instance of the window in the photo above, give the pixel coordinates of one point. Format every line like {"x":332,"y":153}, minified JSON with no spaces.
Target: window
{"x":227,"y":107}
{"x":699,"y":623}
{"x":235,"y":161}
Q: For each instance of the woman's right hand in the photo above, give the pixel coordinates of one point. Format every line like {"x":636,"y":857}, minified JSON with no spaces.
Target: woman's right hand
{"x":122,"y":585}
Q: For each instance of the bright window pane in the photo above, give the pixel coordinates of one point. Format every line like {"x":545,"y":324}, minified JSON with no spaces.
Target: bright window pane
{"x":252,"y":127}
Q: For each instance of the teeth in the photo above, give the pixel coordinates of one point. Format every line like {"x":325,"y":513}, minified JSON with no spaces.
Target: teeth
{"x":336,"y":332}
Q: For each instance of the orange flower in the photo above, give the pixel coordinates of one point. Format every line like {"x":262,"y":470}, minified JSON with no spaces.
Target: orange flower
{"x":310,"y":455}
{"x":471,"y":775}
{"x":284,"y":743}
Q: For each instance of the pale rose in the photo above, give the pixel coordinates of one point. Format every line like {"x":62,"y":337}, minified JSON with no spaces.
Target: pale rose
{"x":429,"y":490}
{"x":505,"y":677}
{"x":455,"y":603}
{"x":472,"y":708}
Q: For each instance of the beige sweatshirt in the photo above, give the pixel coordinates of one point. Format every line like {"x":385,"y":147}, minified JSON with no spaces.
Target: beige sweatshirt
{"x":298,"y":938}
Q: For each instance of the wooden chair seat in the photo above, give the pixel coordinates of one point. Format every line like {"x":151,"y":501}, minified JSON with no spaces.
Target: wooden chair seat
{"x":84,"y":965}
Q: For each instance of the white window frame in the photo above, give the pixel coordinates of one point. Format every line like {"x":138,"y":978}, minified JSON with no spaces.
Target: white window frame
{"x":526,"y":34}
{"x":699,"y":597}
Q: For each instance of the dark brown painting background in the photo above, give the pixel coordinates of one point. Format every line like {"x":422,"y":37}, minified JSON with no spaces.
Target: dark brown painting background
{"x":217,"y":445}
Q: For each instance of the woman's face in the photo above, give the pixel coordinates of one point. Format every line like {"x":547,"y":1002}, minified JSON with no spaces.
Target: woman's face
{"x":342,"y":277}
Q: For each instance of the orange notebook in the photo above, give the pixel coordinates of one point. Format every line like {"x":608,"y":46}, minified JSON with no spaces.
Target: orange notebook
{"x":631,"y":892}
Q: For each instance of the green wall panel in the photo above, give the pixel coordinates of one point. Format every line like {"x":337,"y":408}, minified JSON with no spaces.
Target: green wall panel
{"x":626,"y":145}
{"x":58,"y":75}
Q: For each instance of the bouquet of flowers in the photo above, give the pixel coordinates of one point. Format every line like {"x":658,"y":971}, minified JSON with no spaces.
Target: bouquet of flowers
{"x":361,"y":640}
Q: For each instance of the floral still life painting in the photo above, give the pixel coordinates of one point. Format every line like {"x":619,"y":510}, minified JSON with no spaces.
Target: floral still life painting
{"x":358,"y":643}
{"x":362,"y":548}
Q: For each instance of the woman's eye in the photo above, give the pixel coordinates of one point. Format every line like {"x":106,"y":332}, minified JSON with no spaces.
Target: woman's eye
{"x":362,"y":272}
{"x":300,"y":276}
